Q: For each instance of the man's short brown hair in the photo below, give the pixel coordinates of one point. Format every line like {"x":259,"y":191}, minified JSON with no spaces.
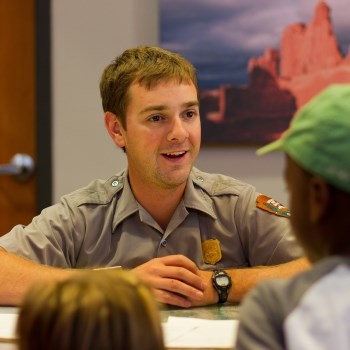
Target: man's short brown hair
{"x":145,"y":65}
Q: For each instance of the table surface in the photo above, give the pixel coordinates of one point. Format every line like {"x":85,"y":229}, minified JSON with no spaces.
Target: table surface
{"x":212,"y":312}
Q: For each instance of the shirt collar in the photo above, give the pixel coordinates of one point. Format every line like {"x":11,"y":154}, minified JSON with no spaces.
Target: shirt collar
{"x":195,"y":197}
{"x":127,"y":204}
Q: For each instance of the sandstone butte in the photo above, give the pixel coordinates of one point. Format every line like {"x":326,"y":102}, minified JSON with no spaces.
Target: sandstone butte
{"x":280,"y":81}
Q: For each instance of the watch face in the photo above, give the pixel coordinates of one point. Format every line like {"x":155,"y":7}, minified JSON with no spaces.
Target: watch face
{"x":222,"y":281}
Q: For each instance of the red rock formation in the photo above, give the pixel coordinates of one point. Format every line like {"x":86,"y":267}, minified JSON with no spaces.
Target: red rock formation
{"x":308,"y":48}
{"x":263,"y":69}
{"x":310,"y":57}
{"x":279,"y":83}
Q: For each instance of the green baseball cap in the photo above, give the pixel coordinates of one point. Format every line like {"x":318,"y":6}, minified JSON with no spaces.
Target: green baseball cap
{"x":318,"y":137}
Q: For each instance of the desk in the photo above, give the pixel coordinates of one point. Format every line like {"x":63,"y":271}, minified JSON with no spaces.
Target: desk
{"x":3,"y":344}
{"x":213,"y":312}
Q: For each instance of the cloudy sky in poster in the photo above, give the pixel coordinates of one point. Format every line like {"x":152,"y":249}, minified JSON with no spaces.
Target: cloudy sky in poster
{"x":219,"y":36}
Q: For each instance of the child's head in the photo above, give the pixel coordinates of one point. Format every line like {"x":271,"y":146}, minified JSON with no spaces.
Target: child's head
{"x":317,"y":173}
{"x":102,"y":310}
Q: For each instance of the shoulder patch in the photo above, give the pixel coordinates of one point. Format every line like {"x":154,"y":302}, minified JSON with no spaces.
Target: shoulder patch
{"x":270,"y":205}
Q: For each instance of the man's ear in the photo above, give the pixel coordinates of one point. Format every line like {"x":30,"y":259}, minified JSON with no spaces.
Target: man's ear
{"x":115,"y":129}
{"x":320,"y":199}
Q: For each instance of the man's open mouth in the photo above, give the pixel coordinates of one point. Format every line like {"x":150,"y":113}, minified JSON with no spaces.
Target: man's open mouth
{"x":175,"y":154}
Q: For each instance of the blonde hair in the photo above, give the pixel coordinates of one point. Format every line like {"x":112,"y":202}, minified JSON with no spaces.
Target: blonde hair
{"x":94,"y":310}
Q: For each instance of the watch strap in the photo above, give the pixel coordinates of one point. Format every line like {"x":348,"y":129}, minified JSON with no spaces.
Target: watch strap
{"x":223,"y":295}
{"x":222,"y":291}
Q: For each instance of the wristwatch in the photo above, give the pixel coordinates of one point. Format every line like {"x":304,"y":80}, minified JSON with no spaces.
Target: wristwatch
{"x":222,"y":283}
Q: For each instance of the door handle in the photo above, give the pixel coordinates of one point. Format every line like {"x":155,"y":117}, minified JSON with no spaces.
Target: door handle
{"x":21,"y":166}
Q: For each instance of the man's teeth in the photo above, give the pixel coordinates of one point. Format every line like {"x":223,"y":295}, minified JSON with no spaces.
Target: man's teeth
{"x":175,"y":153}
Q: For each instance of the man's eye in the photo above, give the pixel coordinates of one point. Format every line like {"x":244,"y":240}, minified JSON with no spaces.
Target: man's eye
{"x":156,"y":118}
{"x":190,"y":114}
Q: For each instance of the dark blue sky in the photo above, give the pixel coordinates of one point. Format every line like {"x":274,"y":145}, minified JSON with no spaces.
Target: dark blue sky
{"x":218,"y":36}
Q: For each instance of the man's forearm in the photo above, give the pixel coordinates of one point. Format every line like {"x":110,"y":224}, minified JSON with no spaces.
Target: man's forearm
{"x":17,"y":275}
{"x":243,"y":280}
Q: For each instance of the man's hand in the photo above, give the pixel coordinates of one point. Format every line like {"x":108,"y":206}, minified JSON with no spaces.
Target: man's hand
{"x":175,"y":279}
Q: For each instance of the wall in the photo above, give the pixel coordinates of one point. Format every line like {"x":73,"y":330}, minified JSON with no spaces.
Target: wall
{"x":87,"y":35}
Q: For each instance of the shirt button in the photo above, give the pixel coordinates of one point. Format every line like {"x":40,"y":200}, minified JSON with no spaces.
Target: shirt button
{"x":164,"y":243}
{"x":199,"y":178}
{"x":115,"y":183}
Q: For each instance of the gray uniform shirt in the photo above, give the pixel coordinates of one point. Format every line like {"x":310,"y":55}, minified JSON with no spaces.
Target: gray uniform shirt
{"x":103,"y":225}
{"x":309,"y":311}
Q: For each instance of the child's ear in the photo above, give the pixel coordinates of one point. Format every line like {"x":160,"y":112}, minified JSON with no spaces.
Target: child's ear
{"x":320,"y":199}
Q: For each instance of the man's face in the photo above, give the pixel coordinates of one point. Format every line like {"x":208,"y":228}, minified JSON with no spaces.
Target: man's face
{"x":163,"y":133}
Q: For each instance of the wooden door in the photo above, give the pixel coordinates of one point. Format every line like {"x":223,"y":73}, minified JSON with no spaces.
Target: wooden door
{"x":17,"y":108}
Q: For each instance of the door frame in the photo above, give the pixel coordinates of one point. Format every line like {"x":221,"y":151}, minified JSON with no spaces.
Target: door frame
{"x":43,"y":104}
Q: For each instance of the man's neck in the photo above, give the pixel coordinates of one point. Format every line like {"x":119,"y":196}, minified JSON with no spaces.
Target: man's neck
{"x":160,"y":203}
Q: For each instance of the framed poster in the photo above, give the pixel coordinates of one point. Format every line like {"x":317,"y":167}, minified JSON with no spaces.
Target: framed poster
{"x":257,"y":61}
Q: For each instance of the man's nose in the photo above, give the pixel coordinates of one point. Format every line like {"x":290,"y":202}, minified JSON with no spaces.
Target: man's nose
{"x":178,"y":131}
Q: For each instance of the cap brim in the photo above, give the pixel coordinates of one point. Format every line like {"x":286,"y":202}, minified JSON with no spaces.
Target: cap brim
{"x":270,"y":147}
